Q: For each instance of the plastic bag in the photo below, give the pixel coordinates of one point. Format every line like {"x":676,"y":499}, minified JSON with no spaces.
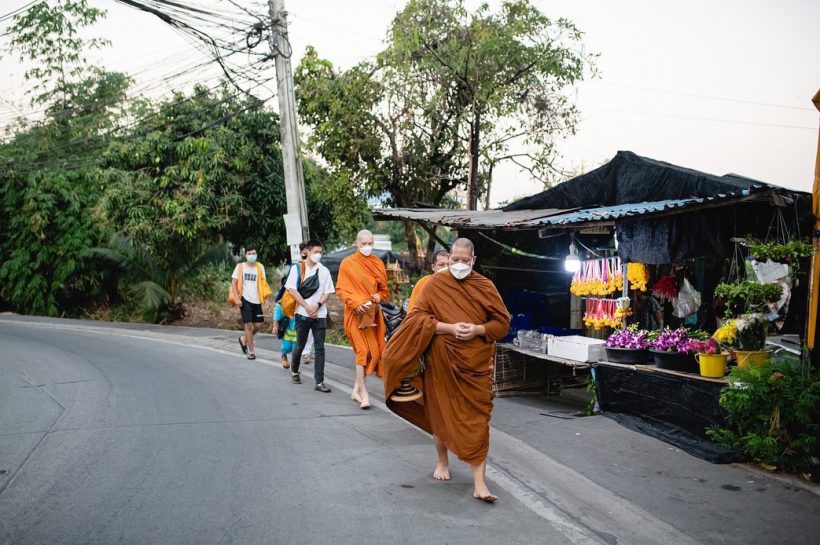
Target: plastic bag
{"x":687,"y":302}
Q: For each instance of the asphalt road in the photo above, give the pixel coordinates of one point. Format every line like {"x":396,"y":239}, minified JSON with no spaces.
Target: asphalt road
{"x":127,"y":439}
{"x":134,"y":434}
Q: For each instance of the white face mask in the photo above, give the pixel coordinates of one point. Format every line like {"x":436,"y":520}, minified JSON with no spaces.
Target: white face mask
{"x":460,"y":270}
{"x":251,"y":258}
{"x":316,"y":258}
{"x":366,"y":250}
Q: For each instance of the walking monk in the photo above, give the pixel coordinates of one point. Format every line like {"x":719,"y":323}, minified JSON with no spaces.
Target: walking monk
{"x":362,"y":285}
{"x":441,"y":260}
{"x":453,"y":327}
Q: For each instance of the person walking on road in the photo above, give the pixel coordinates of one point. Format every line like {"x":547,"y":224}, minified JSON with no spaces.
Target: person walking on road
{"x":454,"y":325}
{"x":284,"y":328}
{"x":362,"y":285}
{"x":311,"y":293}
{"x":441,"y":261}
{"x":249,"y":290}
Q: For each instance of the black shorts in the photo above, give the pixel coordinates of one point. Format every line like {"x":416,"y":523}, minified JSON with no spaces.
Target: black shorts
{"x":251,"y":312}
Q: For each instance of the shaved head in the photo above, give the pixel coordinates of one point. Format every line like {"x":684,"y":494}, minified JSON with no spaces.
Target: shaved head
{"x":465,"y":243}
{"x":462,"y":251}
{"x":364,"y":236}
{"x":441,"y":260}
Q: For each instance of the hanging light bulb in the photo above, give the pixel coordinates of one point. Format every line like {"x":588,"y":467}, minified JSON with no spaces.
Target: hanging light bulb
{"x":572,"y":263}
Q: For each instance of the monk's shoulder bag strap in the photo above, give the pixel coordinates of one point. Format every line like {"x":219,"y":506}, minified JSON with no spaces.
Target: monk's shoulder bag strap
{"x":393,"y":317}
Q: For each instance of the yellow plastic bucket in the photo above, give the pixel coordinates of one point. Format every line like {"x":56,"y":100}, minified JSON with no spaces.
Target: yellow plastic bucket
{"x":748,"y":357}
{"x":712,"y":365}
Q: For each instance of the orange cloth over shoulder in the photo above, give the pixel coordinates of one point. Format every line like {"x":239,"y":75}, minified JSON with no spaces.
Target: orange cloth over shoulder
{"x":457,"y":382}
{"x":414,"y":295}
{"x":360,"y":277}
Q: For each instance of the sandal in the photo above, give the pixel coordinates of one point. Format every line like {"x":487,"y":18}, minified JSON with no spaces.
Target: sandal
{"x":244,"y":347}
{"x":285,"y":362}
{"x":251,"y":356}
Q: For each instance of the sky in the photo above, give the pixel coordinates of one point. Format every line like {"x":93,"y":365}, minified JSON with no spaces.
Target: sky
{"x":714,"y":86}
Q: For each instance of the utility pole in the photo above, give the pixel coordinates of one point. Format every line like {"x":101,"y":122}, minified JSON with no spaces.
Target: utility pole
{"x":294,"y":178}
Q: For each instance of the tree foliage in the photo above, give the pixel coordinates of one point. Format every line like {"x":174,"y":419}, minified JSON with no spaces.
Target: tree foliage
{"x":444,"y":102}
{"x":159,"y":184}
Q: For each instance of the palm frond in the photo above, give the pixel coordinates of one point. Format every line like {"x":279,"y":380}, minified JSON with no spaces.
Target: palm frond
{"x":152,"y":296}
{"x":216,"y":254}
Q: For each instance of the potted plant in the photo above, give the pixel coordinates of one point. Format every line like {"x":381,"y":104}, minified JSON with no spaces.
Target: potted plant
{"x":630,"y":345}
{"x":747,"y":336}
{"x":789,"y":253}
{"x":710,"y":357}
{"x":673,"y":350}
{"x":747,"y":296}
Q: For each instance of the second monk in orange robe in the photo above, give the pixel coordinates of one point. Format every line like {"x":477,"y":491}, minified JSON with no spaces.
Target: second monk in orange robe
{"x":362,"y":285}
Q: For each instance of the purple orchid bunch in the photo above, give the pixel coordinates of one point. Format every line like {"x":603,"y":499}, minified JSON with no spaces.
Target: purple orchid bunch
{"x":676,"y":340}
{"x":631,"y":339}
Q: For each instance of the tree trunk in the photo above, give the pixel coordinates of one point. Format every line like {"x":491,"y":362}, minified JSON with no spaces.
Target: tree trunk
{"x":431,"y":247}
{"x":489,"y":187}
{"x":472,"y":177}
{"x":412,"y":246}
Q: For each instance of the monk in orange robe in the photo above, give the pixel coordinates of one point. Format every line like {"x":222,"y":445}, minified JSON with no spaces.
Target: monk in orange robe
{"x":362,"y":285}
{"x":454,"y":325}
{"x":440,"y":263}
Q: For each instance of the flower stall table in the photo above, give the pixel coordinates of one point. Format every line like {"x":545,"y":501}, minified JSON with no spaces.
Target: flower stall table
{"x":519,"y":371}
{"x":672,"y":406}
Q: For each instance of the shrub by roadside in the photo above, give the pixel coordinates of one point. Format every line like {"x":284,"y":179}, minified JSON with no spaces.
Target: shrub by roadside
{"x":773,"y":415}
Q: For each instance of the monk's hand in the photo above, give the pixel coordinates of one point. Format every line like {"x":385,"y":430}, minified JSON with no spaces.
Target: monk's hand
{"x":464,"y":331}
{"x":377,"y":298}
{"x":361,"y":309}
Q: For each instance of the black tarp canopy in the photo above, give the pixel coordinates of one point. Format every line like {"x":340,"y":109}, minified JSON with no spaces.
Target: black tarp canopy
{"x":718,"y":207}
{"x":630,"y":178}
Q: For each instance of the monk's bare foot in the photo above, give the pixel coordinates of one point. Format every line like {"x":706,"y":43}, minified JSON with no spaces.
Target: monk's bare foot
{"x":484,"y":494}
{"x":442,"y":472}
{"x":365,"y":404}
{"x":356,"y":397}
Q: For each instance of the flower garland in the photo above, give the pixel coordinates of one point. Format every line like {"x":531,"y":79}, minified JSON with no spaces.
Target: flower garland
{"x":601,"y":313}
{"x":638,"y":276}
{"x":598,"y":277}
{"x":666,"y":288}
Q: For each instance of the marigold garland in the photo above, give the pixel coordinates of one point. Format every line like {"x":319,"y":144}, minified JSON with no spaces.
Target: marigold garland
{"x":638,"y":276}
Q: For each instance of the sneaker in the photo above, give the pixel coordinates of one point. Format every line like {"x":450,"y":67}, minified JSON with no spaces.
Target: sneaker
{"x":296,"y":378}
{"x":322,"y":387}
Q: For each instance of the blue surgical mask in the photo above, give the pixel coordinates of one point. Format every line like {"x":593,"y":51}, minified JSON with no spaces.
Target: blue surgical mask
{"x":251,"y":258}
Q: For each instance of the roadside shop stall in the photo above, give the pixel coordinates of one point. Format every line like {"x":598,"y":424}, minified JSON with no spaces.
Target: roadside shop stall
{"x":635,"y":241}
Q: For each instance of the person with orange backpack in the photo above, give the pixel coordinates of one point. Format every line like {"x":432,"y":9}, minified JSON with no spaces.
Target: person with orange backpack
{"x":249,"y":290}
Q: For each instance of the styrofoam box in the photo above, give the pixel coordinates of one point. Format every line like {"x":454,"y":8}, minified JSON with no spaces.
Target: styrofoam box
{"x":576,"y":347}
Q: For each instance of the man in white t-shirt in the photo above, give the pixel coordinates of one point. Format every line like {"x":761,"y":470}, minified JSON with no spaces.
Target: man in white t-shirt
{"x":311,"y":312}
{"x":245,"y":284}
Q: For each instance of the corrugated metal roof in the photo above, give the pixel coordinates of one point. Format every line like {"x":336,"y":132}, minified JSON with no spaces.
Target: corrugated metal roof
{"x":620,"y":211}
{"x":533,"y":219}
{"x":496,"y":219}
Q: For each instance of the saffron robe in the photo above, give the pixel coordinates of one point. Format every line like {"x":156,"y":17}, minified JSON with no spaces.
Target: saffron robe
{"x":360,"y":277}
{"x":414,"y":295}
{"x":457,"y":381}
